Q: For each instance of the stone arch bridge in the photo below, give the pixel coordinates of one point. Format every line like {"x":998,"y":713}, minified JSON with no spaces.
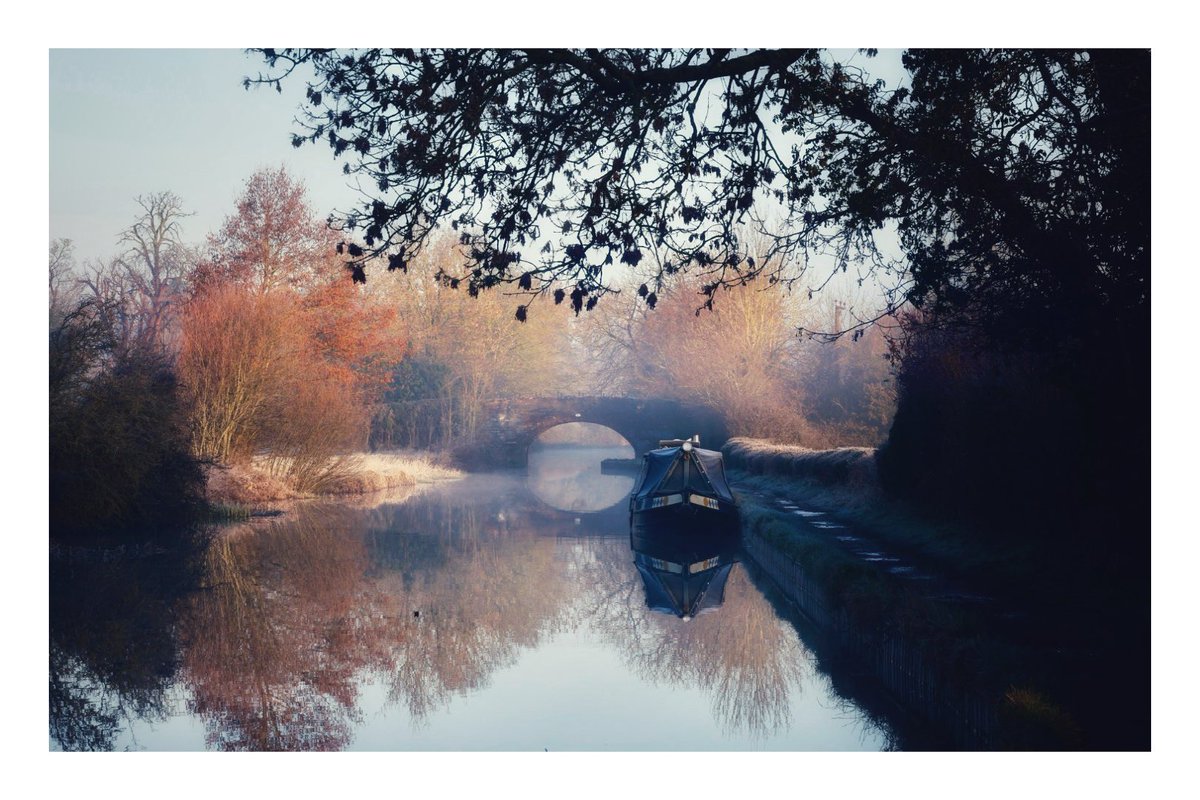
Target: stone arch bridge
{"x":510,"y":425}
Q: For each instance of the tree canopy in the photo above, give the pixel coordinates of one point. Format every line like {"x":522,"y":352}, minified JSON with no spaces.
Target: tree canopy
{"x":1016,"y":181}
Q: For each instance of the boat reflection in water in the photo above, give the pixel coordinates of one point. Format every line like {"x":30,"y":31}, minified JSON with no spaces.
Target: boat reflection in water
{"x":684,"y":575}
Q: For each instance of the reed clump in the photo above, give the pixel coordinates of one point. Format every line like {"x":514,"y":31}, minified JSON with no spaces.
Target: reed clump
{"x":265,"y":479}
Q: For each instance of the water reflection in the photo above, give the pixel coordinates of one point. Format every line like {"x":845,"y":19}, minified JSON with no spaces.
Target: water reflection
{"x":271,"y":653}
{"x":301,"y":612}
{"x":303,"y":632}
{"x":114,"y":649}
{"x":747,"y":660}
{"x":684,"y":574}
{"x":570,"y":478}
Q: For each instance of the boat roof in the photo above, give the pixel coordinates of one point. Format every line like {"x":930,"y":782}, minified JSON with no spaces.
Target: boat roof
{"x":660,"y":473}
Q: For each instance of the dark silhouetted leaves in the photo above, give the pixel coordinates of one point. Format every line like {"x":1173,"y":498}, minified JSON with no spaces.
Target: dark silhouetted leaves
{"x":1032,"y":163}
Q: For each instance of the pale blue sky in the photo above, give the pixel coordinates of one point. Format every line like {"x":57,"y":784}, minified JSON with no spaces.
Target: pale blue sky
{"x":130,"y":122}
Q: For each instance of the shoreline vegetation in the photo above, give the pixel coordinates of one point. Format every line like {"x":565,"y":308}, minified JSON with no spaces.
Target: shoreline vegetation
{"x":1007,"y":669}
{"x":846,"y":481}
{"x":243,"y":490}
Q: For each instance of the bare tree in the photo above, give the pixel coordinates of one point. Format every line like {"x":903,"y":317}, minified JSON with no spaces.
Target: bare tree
{"x":106,"y":285}
{"x":154,"y":264}
{"x":140,"y":288}
{"x":64,"y":289}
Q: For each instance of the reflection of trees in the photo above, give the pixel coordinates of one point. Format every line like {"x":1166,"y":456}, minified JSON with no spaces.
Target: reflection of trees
{"x":427,"y":599}
{"x":742,"y":654}
{"x":113,"y":649}
{"x":270,"y":655}
{"x":84,"y":715}
{"x":470,"y":587}
{"x":431,"y":599}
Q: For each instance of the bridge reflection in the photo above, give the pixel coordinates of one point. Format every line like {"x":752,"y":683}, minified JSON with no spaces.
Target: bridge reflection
{"x":571,"y":479}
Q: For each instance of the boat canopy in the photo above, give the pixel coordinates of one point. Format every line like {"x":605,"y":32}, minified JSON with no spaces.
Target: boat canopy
{"x":675,"y":469}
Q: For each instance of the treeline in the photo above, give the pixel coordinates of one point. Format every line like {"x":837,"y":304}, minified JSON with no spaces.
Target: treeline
{"x":168,"y":359}
{"x":256,"y":350}
{"x":463,"y":351}
{"x":743,"y":356}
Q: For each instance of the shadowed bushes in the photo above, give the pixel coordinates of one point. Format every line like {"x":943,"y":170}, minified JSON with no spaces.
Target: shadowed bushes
{"x":119,"y":445}
{"x":1059,"y":440}
{"x":114,"y":635}
{"x":1030,"y":721}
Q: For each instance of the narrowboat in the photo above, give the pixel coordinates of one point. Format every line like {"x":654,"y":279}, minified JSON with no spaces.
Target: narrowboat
{"x":682,"y":491}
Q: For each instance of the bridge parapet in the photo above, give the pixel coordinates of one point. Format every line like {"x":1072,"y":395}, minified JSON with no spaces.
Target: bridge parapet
{"x":511,"y":425}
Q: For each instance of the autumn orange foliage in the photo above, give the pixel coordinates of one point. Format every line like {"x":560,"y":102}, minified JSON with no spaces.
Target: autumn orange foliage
{"x":280,"y":352}
{"x":238,"y":357}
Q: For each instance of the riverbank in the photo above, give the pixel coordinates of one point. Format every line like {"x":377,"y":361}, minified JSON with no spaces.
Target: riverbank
{"x":845,"y":481}
{"x":1003,"y":643}
{"x":243,"y":490}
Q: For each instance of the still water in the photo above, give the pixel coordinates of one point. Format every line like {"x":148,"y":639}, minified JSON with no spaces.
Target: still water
{"x":501,"y":612}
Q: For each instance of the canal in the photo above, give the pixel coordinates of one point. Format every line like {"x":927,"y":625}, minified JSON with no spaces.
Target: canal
{"x":500,"y":612}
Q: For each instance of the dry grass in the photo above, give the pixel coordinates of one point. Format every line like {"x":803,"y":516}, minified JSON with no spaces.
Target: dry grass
{"x":253,"y":485}
{"x":244,"y":485}
{"x":378,"y":471}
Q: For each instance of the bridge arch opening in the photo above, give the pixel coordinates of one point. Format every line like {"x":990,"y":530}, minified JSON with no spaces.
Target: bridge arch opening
{"x":564,"y":467}
{"x":581,"y":434}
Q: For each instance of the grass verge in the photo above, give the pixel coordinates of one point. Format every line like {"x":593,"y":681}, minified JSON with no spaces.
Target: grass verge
{"x":845,"y":482}
{"x":244,"y":488}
